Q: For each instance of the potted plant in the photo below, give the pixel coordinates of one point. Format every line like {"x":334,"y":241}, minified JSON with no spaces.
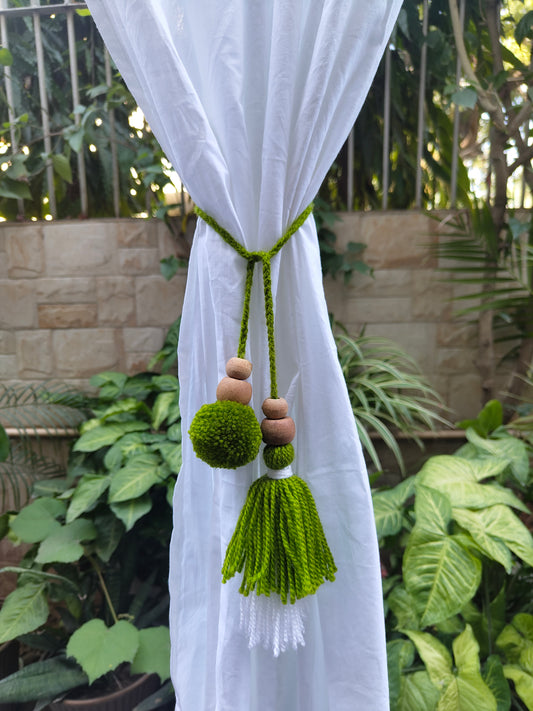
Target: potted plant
{"x":91,"y":592}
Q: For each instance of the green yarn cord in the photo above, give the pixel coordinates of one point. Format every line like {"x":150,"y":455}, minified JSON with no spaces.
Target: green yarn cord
{"x":252,"y":258}
{"x":279,"y":544}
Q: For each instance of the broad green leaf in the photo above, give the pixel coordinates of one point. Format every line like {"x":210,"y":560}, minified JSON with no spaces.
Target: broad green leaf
{"x":153,"y":654}
{"x":440,"y":574}
{"x":524,"y":28}
{"x":136,"y":477}
{"x":432,"y":510}
{"x":494,"y":678}
{"x":110,"y":531}
{"x":86,"y":494}
{"x":161,"y":408}
{"x":4,"y":444}
{"x":174,"y":432}
{"x":38,"y":520}
{"x":498,"y":524}
{"x":119,"y":407}
{"x":417,"y":693}
{"x":61,"y":165}
{"x":388,"y":507}
{"x":166,"y":382}
{"x":507,"y":447}
{"x":523,"y":682}
{"x":64,"y":545}
{"x":458,"y":478}
{"x":171,"y":453}
{"x":492,"y":546}
{"x":104,"y":435}
{"x":25,"y":609}
{"x":435,"y":656}
{"x":400,"y":654}
{"x":171,"y":485}
{"x":129,"y":512}
{"x":466,"y":651}
{"x":402,"y":605}
{"x":14,"y":189}
{"x":99,"y":649}
{"x":467,"y":692}
{"x":41,"y":680}
{"x":516,"y":640}
{"x":489,"y":419}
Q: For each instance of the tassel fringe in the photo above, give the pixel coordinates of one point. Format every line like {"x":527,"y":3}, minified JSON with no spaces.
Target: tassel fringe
{"x":266,"y":621}
{"x":279,"y":544}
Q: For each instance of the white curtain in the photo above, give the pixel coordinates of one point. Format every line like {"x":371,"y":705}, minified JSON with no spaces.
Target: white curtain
{"x":251,"y":101}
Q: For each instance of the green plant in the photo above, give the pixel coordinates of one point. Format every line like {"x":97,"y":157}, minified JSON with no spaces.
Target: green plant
{"x":387,"y":393}
{"x":496,"y":265}
{"x":457,"y":560}
{"x":30,"y":413}
{"x":91,"y":591}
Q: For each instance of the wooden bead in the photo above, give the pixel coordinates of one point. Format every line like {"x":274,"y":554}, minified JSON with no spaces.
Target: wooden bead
{"x":275,"y":408}
{"x":233,"y":389}
{"x":280,"y":431}
{"x":238,"y":368}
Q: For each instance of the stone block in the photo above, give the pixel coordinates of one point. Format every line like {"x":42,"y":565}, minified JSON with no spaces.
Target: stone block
{"x":454,"y":361}
{"x":138,"y":362}
{"x":67,"y":315}
{"x":24,"y":248}
{"x":116,"y":301}
{"x":66,"y":290}
{"x":17,"y":304}
{"x":376,"y":310}
{"x":145,"y":340}
{"x":384,"y":283}
{"x":80,"y":353}
{"x":464,"y":396}
{"x":159,"y":302}
{"x":8,"y":367}
{"x":398,"y":240}
{"x":416,"y":339}
{"x":80,"y":249}
{"x":137,"y":233}
{"x":431,"y":298}
{"x":34,"y":354}
{"x":7,"y":343}
{"x":138,"y":261}
{"x":456,"y":334}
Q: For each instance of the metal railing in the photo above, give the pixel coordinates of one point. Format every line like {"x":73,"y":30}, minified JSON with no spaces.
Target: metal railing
{"x":39,"y":13}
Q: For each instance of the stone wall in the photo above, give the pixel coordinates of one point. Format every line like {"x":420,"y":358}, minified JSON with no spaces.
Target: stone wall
{"x":77,"y":298}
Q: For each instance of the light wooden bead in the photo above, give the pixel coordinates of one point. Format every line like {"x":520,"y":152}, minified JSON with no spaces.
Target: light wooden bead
{"x":236,"y":390}
{"x":238,"y":368}
{"x":275,"y":408}
{"x":280,"y":431}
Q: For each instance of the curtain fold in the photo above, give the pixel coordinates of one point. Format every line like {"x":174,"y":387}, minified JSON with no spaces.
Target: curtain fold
{"x":251,"y":101}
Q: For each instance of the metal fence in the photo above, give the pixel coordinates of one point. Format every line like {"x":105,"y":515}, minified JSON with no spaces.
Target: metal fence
{"x":41,"y":11}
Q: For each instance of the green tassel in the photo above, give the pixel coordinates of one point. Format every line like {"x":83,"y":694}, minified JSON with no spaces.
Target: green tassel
{"x":279,"y":544}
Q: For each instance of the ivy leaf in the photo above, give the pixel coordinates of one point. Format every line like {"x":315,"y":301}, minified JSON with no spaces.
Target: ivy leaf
{"x":99,"y":649}
{"x":64,"y":545}
{"x":153,"y":654}
{"x":37,"y":521}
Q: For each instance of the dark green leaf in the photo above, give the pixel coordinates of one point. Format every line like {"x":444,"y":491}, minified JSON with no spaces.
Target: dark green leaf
{"x":4,"y":444}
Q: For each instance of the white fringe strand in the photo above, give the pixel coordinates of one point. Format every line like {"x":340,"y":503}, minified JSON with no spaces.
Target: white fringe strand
{"x":266,"y":621}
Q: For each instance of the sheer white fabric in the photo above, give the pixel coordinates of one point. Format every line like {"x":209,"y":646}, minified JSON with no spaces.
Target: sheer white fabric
{"x":251,"y":100}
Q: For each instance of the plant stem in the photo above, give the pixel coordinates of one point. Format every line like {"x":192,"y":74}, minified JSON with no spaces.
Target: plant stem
{"x":104,"y":588}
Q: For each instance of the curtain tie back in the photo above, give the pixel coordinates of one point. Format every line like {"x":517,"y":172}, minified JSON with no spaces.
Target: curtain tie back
{"x":279,"y":544}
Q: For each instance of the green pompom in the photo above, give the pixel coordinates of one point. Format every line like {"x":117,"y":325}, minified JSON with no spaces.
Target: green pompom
{"x":225,"y":434}
{"x":278,"y":456}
